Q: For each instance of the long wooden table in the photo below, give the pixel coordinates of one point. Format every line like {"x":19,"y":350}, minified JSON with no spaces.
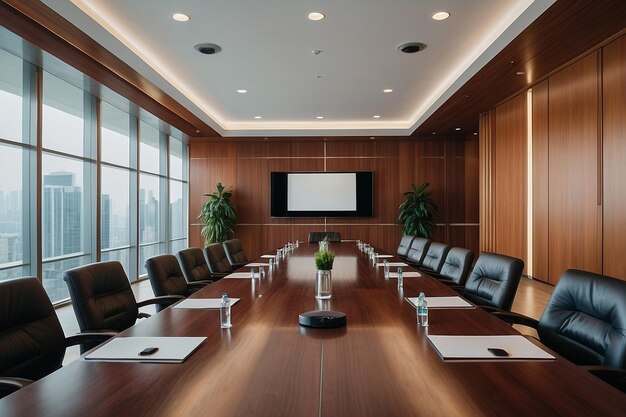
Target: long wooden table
{"x":381,"y":364}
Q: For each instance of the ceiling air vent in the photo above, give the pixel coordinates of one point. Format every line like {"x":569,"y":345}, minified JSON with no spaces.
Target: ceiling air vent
{"x":207,"y":48}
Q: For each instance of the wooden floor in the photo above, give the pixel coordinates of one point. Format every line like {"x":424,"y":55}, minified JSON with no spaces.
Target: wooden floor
{"x":530,"y":300}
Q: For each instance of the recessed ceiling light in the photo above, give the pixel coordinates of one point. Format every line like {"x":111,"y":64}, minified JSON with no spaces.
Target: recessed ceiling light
{"x":475,"y":133}
{"x":411,"y":47}
{"x":434,"y":133}
{"x":376,"y":117}
{"x":258,"y":117}
{"x":180,"y":17}
{"x":316,"y":16}
{"x":242,"y":91}
{"x":520,"y":73}
{"x":457,"y":128}
{"x":441,"y":16}
{"x":208,"y":48}
{"x":319,"y":117}
{"x":387,"y":90}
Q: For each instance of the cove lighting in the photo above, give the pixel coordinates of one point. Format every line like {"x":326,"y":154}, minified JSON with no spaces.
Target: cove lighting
{"x":180,"y":17}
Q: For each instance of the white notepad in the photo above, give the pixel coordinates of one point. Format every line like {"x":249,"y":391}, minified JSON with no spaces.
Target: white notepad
{"x":268,"y":256}
{"x":242,"y":275}
{"x":466,"y":348}
{"x":256,"y":264}
{"x":443,"y":302}
{"x":384,"y":256}
{"x":405,"y":274}
{"x":203,"y":302}
{"x":126,"y":349}
{"x":392,"y":264}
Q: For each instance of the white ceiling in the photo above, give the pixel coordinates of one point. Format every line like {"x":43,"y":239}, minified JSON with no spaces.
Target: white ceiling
{"x":267,"y":50}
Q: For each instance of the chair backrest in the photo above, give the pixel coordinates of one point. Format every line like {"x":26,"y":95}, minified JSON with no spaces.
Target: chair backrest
{"x":216,"y":258}
{"x":405,"y":245}
{"x":193,"y":264}
{"x":165,"y":276}
{"x":435,"y":256}
{"x":457,"y":265}
{"x":32,"y":343}
{"x":101,"y":296}
{"x":315,"y":237}
{"x":585,"y":319}
{"x":234,"y":252}
{"x":417,"y":250}
{"x":494,"y":280}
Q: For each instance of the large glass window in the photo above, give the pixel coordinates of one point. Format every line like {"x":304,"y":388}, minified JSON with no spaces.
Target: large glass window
{"x":115,"y":215}
{"x":63,"y":122}
{"x":150,"y":148}
{"x":11,"y":90}
{"x":115,"y":135}
{"x":149,"y":218}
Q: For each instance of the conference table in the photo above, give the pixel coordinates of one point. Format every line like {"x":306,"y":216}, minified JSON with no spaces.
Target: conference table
{"x":380,"y":364}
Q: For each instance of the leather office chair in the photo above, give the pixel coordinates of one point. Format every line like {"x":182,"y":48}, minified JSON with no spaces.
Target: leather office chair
{"x":217,"y":260}
{"x":456,"y":267}
{"x":585,"y":321}
{"x":102,"y":298}
{"x":417,"y":251}
{"x":194,"y":265}
{"x":32,"y":343}
{"x":435,"y":257}
{"x":166,"y":278}
{"x":315,"y":237}
{"x":405,"y":244}
{"x":494,"y":281}
{"x":235,"y":254}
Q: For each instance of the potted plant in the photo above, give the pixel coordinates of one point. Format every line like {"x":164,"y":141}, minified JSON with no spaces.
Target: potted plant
{"x":417,"y":212}
{"x":218,"y":216}
{"x":324,"y":260}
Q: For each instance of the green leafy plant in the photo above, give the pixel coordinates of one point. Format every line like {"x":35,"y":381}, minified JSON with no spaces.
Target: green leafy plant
{"x":324,"y":260}
{"x":417,"y":212}
{"x":218,"y":216}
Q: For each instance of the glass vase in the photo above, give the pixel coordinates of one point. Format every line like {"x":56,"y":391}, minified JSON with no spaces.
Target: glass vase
{"x":323,"y":285}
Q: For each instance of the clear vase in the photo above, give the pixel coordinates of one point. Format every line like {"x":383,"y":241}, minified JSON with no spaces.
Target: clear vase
{"x":323,"y":244}
{"x":323,"y":285}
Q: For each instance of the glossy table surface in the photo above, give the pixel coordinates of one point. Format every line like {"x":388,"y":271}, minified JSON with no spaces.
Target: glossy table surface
{"x":380,"y":364}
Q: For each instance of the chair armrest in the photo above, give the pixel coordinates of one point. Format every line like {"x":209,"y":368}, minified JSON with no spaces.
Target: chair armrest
{"x":218,"y":275}
{"x":610,"y":375}
{"x":458,"y":288}
{"x":238,"y":265}
{"x":164,"y":299}
{"x":13,"y":384}
{"x":514,"y":318}
{"x":81,"y":338}
{"x":198,"y":284}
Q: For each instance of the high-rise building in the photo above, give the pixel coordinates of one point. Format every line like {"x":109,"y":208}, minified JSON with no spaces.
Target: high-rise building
{"x":61,"y":215}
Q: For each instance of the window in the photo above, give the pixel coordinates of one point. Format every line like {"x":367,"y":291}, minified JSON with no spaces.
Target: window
{"x":11,"y":90}
{"x":149,"y":150}
{"x":149,"y":219}
{"x":115,"y":142}
{"x":115,"y":216}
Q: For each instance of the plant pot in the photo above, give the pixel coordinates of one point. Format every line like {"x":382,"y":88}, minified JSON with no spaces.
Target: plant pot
{"x":323,"y":285}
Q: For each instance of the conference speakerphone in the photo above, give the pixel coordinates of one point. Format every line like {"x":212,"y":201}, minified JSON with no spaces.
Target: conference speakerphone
{"x":323,"y":319}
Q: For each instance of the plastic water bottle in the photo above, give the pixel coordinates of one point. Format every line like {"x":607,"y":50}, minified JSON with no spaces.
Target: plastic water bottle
{"x":400,"y":278}
{"x":422,"y":310}
{"x":252,"y":273}
{"x":225,"y":312}
{"x":386,"y":266}
{"x":261,"y":272}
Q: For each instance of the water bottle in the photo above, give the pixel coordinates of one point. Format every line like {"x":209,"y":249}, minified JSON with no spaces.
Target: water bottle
{"x":400,"y":278}
{"x":261,"y":272}
{"x":252,"y":273}
{"x":225,"y":312}
{"x":422,"y":310}
{"x":386,"y":263}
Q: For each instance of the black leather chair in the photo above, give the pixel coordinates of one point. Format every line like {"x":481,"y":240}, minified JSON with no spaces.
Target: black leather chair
{"x":494,"y":281}
{"x":217,"y":260}
{"x":194,"y":265}
{"x":103,"y":299}
{"x":32,"y":343}
{"x":417,"y":251}
{"x":405,"y":245}
{"x":435,"y":257}
{"x":315,"y":237}
{"x":456,"y":267}
{"x":166,"y":278}
{"x":585,"y":321}
{"x":235,"y":254}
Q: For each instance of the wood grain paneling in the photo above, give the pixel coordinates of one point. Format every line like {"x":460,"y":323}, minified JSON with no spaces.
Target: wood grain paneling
{"x":486,"y":168}
{"x":540,"y":152}
{"x":510,"y":177}
{"x":574,"y":213}
{"x":614,"y":158}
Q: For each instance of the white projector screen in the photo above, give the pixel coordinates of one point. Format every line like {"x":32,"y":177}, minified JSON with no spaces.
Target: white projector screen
{"x":321,"y":192}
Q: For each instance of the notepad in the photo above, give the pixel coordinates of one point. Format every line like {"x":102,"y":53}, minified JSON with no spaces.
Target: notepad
{"x":392,"y":264}
{"x":203,"y":303}
{"x":268,"y":256}
{"x":256,"y":264}
{"x":405,"y":274}
{"x":384,"y":256}
{"x":443,"y":302}
{"x":468,"y":348}
{"x":126,"y":349}
{"x":242,"y":275}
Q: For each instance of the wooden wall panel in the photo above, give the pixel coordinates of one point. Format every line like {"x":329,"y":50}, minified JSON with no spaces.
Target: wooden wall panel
{"x":574,"y":213}
{"x":510,"y":177}
{"x":540,"y":237}
{"x":614,"y":160}
{"x":486,"y":147}
{"x":245,"y":166}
